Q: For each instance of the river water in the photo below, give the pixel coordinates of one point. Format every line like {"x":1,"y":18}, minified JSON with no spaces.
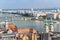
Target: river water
{"x":20,"y":23}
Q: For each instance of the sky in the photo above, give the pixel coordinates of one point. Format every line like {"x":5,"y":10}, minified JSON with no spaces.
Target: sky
{"x":14,"y":4}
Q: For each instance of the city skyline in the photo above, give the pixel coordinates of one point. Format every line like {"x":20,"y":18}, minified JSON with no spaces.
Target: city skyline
{"x":14,"y":4}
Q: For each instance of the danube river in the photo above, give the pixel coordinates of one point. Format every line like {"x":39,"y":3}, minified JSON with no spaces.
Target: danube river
{"x":21,"y":23}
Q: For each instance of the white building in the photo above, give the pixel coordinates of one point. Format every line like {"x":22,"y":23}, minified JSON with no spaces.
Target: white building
{"x":39,"y":14}
{"x":58,"y":15}
{"x":52,"y":15}
{"x":55,"y":15}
